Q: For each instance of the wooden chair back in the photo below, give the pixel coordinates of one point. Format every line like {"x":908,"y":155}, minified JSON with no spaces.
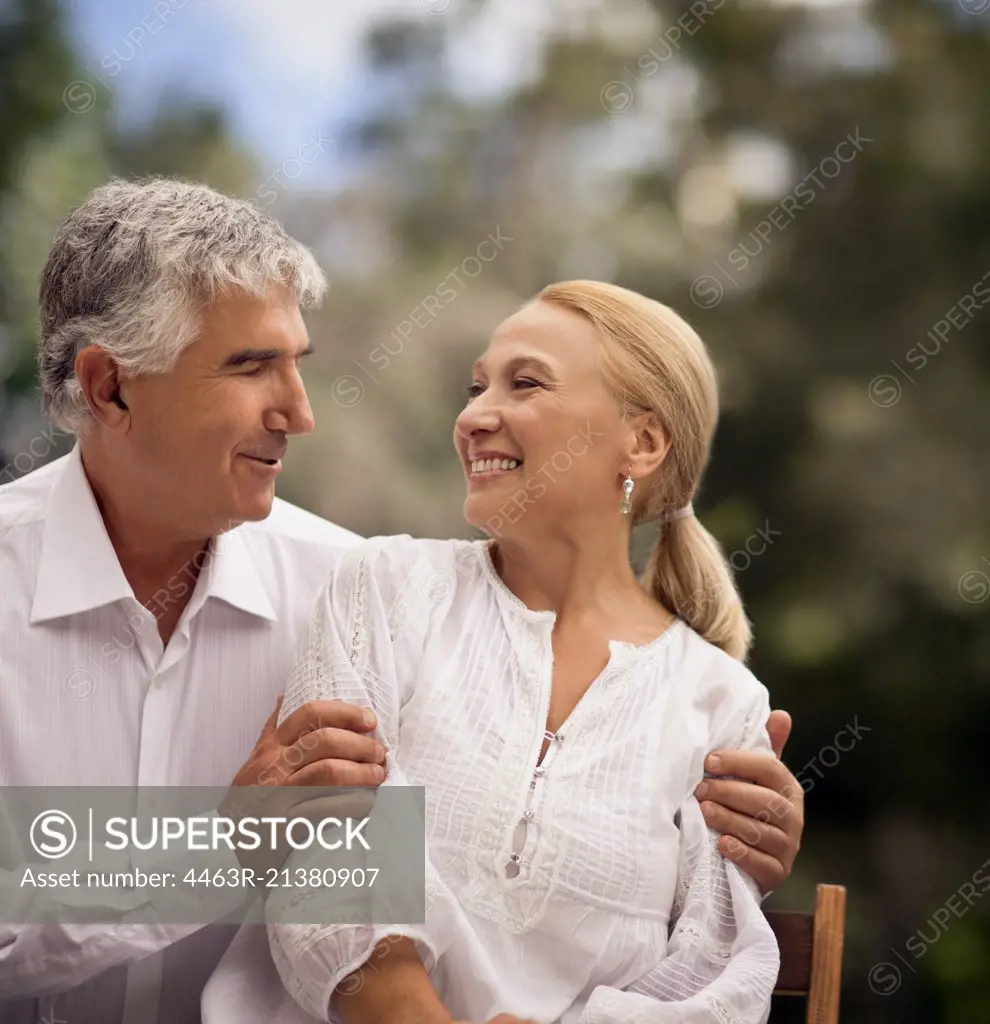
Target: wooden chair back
{"x":811,"y":953}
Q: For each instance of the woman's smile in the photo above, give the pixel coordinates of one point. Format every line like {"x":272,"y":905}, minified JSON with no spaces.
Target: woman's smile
{"x":490,"y":465}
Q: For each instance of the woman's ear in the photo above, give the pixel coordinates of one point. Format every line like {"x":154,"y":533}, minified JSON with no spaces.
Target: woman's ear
{"x":99,"y":378}
{"x":649,"y":444}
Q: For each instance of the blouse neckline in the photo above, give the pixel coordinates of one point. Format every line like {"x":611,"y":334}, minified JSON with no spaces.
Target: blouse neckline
{"x":546,"y":616}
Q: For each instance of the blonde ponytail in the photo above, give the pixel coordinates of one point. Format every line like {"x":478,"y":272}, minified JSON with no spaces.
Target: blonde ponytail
{"x":655,"y":362}
{"x":690,"y":576}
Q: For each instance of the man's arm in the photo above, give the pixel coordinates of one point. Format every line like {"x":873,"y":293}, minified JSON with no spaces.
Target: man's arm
{"x":323,"y":744}
{"x":761,"y":811}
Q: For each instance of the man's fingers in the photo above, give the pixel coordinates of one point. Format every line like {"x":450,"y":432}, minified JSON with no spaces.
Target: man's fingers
{"x":334,"y":772}
{"x":271,"y":722}
{"x":756,"y":766}
{"x":766,"y":871}
{"x":321,"y":714}
{"x":349,"y":803}
{"x":327,"y":743}
{"x":747,"y":799}
{"x":779,"y":729}
{"x":283,"y":801}
{"x":767,"y":838}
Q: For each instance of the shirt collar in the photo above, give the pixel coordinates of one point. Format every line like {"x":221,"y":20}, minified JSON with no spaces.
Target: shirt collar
{"x":79,"y":569}
{"x":234,"y":576}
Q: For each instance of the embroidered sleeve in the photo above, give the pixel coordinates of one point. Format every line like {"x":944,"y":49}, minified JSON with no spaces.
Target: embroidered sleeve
{"x":721,"y":960}
{"x":351,"y":655}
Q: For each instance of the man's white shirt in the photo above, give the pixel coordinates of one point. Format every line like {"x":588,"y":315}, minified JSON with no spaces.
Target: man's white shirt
{"x":90,"y":697}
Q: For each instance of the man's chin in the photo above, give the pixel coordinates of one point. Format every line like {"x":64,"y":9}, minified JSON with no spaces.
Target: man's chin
{"x":253,"y":509}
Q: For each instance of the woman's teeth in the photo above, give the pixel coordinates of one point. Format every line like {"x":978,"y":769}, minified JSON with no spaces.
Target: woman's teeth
{"x":490,"y":465}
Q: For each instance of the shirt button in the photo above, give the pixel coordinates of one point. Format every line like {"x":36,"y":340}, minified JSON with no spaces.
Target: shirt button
{"x":514,"y":858}
{"x":529,"y":814}
{"x":539,"y":771}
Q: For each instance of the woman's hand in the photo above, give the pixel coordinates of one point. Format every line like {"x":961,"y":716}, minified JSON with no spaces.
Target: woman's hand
{"x":762,"y":817}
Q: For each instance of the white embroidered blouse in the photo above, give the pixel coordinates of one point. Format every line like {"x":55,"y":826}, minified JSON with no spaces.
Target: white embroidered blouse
{"x":584,"y":889}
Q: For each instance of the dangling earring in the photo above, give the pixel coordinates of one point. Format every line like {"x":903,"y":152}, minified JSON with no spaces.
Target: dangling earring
{"x":627,"y":488}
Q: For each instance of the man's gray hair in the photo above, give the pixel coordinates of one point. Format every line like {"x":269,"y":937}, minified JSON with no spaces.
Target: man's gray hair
{"x":133,"y":268}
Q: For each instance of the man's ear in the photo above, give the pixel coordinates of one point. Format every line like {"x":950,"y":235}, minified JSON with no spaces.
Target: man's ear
{"x":648,"y":445}
{"x":101,"y":383}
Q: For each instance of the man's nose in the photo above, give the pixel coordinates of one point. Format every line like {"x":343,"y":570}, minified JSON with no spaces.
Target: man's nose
{"x":293,"y":413}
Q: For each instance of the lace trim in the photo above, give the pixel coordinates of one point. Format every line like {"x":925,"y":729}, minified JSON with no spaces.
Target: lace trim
{"x":397,"y":617}
{"x":721,"y":1011}
{"x":484,"y":552}
{"x":311,"y":670}
{"x":680,"y":897}
{"x":749,"y":725}
{"x":359,"y":631}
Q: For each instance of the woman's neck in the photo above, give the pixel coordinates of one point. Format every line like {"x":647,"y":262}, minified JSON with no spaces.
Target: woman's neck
{"x":570,"y":576}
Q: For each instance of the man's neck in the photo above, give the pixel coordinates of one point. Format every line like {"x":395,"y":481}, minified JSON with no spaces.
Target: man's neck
{"x":161,"y":565}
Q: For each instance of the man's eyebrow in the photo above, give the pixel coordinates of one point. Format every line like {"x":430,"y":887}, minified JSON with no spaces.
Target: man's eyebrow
{"x":517,"y":362}
{"x":260,"y":355}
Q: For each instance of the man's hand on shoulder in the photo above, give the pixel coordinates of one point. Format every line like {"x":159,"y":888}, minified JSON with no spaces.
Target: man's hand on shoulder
{"x":761,"y":811}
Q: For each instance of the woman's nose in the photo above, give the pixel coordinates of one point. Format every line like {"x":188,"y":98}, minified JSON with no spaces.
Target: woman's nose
{"x":479,"y":414}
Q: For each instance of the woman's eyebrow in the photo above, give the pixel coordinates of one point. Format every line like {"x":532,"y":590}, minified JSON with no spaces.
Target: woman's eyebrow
{"x":518,"y":362}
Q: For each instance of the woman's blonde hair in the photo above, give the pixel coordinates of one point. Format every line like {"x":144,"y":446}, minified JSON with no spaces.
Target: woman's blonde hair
{"x":654,"y":362}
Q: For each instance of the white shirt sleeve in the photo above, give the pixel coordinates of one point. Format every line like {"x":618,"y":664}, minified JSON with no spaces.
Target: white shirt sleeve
{"x":351,"y":655}
{"x":42,"y":959}
{"x":722,"y":960}
{"x":61,"y":950}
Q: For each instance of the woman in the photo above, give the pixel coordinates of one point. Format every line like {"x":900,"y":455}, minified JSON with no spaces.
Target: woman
{"x":556,"y":709}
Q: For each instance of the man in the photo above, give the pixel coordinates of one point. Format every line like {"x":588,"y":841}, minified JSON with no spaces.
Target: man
{"x":155,"y":588}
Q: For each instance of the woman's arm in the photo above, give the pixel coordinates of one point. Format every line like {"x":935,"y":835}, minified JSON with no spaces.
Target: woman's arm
{"x":760,"y":811}
{"x":722,"y":960}
{"x":401,"y":995}
{"x":365,"y":623}
{"x":391,"y":986}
